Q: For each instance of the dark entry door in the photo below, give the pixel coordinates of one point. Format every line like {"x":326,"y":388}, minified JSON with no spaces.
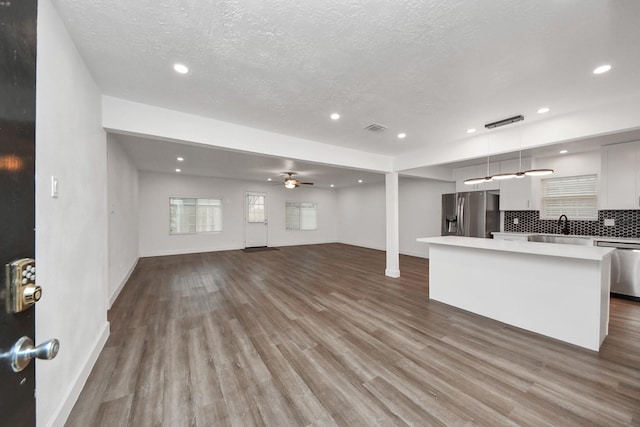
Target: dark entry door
{"x":17,"y":194}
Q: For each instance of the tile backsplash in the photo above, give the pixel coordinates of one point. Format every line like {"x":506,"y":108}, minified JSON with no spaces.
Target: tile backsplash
{"x":627,"y":224}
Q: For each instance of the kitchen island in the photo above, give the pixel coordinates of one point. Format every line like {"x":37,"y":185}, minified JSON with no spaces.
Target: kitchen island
{"x":561,"y":291}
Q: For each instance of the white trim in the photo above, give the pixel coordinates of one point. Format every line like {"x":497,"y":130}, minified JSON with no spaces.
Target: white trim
{"x":116,"y":292}
{"x":416,"y":254}
{"x":364,"y":245}
{"x":62,"y":412}
{"x":392,"y":273}
{"x":168,"y":252}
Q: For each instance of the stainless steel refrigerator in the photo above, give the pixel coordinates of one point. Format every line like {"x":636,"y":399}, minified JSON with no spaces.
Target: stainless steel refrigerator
{"x":471,"y":214}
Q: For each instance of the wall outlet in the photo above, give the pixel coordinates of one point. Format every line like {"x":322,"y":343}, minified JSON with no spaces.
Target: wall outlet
{"x":609,"y":222}
{"x":515,"y":221}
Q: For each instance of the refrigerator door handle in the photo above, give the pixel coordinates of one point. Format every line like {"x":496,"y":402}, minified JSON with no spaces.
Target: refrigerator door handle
{"x":461,"y":230}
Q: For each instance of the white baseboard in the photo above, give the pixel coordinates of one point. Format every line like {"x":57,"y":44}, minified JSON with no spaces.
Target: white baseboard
{"x":416,"y":254}
{"x":169,"y":252}
{"x":61,"y":414}
{"x":364,"y":245}
{"x":125,"y":279}
{"x":393,"y":273}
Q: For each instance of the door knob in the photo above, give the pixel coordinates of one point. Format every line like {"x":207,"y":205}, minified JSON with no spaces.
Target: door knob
{"x":23,"y":351}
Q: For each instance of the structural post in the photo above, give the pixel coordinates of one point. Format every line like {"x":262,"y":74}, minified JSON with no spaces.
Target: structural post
{"x":393,"y":234}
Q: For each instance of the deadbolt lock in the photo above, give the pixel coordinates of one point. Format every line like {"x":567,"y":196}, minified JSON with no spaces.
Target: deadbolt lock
{"x":21,"y":284}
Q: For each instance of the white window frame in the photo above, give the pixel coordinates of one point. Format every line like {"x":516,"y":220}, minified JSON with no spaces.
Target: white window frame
{"x":573,"y":196}
{"x":295,"y":218}
{"x":202,"y":222}
{"x":260,"y":215}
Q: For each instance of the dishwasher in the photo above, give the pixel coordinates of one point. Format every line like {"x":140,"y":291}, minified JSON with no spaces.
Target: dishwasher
{"x":625,"y":268}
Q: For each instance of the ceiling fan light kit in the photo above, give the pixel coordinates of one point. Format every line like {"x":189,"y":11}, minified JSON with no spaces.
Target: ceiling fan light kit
{"x":290,"y":182}
{"x":509,"y":175}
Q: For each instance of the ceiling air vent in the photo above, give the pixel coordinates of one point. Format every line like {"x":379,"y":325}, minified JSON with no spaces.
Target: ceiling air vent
{"x":374,"y":127}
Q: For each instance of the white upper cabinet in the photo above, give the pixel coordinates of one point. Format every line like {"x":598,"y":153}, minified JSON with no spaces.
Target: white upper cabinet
{"x":515,"y":194}
{"x":620,"y":183}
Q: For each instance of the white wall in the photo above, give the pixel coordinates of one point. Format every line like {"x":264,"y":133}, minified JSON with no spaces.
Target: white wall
{"x":71,"y":230}
{"x":420,"y":213}
{"x":362,"y":214}
{"x":156,"y":188}
{"x":122,"y":202}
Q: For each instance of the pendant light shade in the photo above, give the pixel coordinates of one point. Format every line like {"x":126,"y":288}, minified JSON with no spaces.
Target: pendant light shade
{"x":472,"y":181}
{"x":507,"y":175}
{"x":538,"y":172}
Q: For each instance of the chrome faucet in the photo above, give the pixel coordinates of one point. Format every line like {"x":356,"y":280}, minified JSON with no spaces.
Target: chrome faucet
{"x":565,"y":226}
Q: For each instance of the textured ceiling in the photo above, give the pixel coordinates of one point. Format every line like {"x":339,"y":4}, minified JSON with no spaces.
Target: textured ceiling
{"x":429,"y":68}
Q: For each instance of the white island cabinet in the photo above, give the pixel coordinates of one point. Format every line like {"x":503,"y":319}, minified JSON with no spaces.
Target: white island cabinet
{"x":561,"y":291}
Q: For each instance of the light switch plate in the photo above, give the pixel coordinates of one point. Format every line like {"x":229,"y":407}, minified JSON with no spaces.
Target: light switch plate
{"x":54,"y":187}
{"x":609,"y":222}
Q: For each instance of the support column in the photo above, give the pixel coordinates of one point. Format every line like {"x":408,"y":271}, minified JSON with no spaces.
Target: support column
{"x":393,"y":234}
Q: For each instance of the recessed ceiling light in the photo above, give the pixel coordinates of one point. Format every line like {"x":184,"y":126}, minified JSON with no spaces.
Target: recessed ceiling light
{"x":180,"y":159}
{"x":335,"y":116}
{"x":332,"y":185}
{"x":360,"y":181}
{"x":181,"y":68}
{"x":268,"y":179}
{"x":178,"y":170}
{"x":472,"y":130}
{"x":563,"y":151}
{"x":602,"y":69}
{"x":402,"y":135}
{"x":543,"y":110}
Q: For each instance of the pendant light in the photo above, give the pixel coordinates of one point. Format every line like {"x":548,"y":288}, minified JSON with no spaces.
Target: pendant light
{"x":487,"y":178}
{"x":538,"y":172}
{"x":507,"y":175}
{"x":520,"y":174}
{"x":530,"y":172}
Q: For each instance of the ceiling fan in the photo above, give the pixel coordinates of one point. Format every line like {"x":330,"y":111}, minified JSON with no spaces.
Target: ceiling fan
{"x":291,"y":182}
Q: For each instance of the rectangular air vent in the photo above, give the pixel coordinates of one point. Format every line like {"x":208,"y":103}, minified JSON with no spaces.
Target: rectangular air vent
{"x":374,"y":127}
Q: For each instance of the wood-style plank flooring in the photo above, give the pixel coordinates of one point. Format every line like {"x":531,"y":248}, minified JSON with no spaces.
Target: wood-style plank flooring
{"x":318,"y":336}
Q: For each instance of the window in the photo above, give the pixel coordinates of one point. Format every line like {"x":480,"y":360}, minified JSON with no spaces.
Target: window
{"x":255,"y":208}
{"x":573,"y":196}
{"x":194,"y":215}
{"x":301,"y":216}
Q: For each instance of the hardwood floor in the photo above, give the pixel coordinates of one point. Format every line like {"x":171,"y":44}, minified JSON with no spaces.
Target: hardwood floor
{"x":318,"y":336}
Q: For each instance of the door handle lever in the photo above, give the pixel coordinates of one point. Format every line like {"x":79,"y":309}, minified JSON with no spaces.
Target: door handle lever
{"x":23,"y":351}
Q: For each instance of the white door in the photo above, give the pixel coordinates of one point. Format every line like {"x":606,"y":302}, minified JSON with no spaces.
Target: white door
{"x":256,"y":225}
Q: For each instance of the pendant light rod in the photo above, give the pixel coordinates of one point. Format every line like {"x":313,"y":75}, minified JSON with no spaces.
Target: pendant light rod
{"x":504,"y":122}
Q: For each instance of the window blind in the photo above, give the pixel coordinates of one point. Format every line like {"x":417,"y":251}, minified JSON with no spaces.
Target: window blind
{"x":301,"y":216}
{"x":574,"y":196}
{"x":192,"y":215}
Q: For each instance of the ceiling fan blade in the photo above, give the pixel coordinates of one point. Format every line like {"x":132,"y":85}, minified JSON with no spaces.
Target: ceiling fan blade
{"x":305,"y":183}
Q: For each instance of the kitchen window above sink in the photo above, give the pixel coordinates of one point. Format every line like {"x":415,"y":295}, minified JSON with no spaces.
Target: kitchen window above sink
{"x":574,"y":196}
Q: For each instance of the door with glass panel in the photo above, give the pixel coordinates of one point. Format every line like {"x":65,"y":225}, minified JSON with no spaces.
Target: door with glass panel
{"x":256,"y":226}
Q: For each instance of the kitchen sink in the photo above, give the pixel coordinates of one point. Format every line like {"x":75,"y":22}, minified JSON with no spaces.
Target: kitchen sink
{"x":566,"y":240}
